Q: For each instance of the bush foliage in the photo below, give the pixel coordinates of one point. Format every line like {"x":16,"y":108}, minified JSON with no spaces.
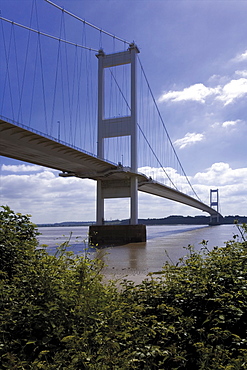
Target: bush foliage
{"x":55,"y":312}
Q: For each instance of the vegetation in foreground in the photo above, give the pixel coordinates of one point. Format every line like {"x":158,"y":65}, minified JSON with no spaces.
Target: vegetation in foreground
{"x":55,"y":313}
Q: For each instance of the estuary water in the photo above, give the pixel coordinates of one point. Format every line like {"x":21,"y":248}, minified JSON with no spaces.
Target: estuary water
{"x":135,"y":261}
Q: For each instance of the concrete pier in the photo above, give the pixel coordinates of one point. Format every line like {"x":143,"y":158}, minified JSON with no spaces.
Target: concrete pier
{"x":100,"y":235}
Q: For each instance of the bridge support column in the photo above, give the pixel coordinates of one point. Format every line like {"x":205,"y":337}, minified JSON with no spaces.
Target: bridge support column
{"x":109,"y":187}
{"x":100,"y":204}
{"x":134,"y":201}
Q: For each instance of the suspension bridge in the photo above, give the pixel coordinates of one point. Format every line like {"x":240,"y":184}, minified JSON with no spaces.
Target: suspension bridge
{"x":89,"y":114}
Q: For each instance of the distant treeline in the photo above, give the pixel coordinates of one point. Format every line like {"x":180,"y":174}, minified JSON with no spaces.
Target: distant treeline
{"x":171,"y":220}
{"x":196,"y":220}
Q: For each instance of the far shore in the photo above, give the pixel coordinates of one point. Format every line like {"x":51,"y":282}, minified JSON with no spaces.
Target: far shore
{"x":170,"y":220}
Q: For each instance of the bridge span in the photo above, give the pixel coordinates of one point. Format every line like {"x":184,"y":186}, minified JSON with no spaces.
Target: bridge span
{"x":19,"y":142}
{"x":128,"y":120}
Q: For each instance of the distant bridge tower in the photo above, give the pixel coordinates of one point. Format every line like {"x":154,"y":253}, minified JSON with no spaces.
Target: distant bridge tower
{"x":116,"y":127}
{"x":214,"y":203}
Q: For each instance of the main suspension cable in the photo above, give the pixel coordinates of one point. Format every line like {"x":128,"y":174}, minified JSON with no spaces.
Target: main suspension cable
{"x":87,"y":23}
{"x":47,"y":35}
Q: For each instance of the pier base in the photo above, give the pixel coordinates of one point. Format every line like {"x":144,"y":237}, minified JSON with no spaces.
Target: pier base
{"x":215,"y":220}
{"x":116,"y":234}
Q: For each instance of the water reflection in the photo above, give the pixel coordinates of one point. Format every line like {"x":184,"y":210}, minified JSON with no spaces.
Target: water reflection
{"x":130,"y":257}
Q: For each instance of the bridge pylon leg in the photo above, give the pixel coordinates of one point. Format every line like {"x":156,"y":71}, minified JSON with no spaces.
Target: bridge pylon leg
{"x":134,"y":201}
{"x":100,"y":204}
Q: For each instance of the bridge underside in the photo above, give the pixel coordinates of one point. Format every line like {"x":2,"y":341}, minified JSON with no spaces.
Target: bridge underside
{"x":19,"y":143}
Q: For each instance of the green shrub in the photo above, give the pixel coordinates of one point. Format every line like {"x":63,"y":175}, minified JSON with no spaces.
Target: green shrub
{"x":195,"y":315}
{"x":55,"y":312}
{"x":44,"y":299}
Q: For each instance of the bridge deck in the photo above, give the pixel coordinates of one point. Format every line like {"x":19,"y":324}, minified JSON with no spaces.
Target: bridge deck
{"x":25,"y":145}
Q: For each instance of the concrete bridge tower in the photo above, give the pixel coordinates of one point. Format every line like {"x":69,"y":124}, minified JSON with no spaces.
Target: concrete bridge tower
{"x":214,"y":203}
{"x":110,"y":186}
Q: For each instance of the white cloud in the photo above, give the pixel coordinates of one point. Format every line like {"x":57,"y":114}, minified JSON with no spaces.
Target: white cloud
{"x":233,"y":90}
{"x":227,"y":93}
{"x":240,"y":57}
{"x":226,"y":124}
{"x":197,"y":92}
{"x":241,"y":73}
{"x":230,"y":123}
{"x":188,"y":139}
{"x":221,"y":174}
{"x":49,"y":198}
{"x":22,"y":168}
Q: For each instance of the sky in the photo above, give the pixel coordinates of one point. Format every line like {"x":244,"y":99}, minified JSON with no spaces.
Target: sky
{"x":194,"y":54}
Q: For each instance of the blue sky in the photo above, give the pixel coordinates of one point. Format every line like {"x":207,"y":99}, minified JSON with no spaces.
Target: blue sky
{"x":195,"y":57}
